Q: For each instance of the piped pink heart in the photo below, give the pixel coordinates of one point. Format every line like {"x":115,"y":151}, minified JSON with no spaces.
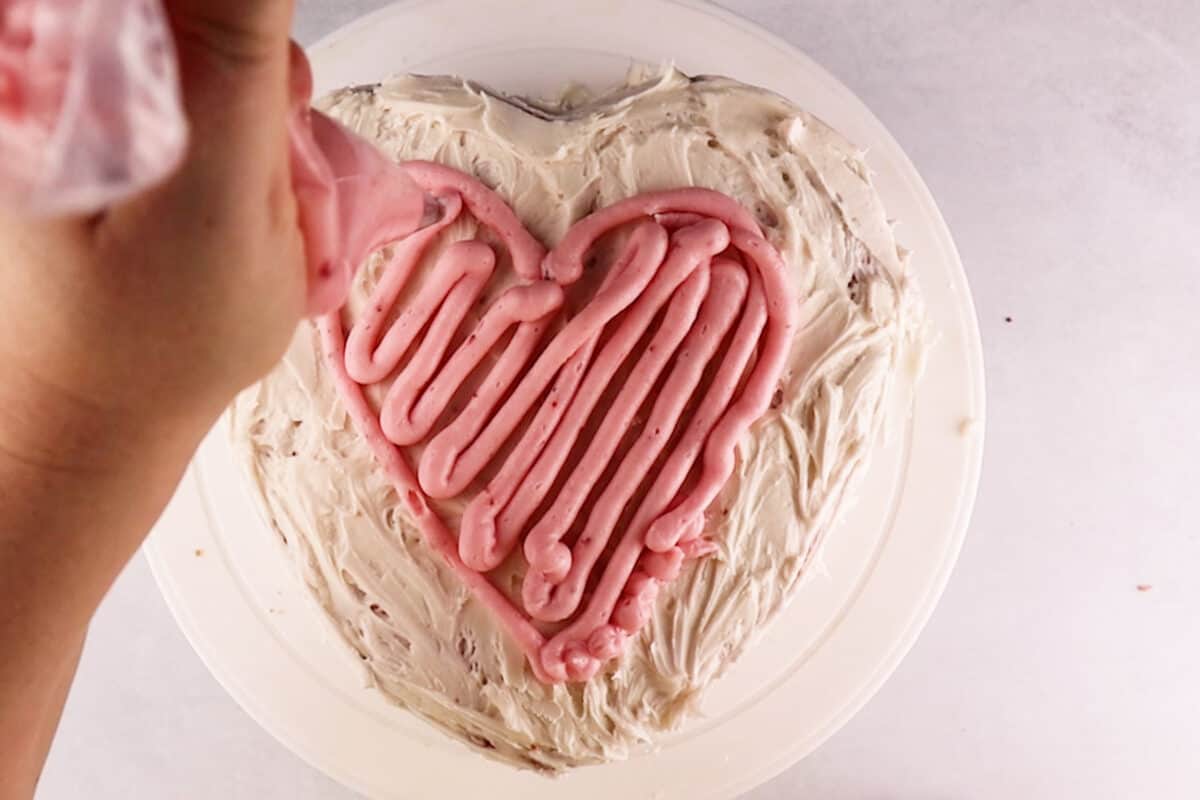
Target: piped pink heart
{"x":587,"y":422}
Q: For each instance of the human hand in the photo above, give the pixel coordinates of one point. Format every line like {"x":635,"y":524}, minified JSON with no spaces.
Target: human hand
{"x":124,"y":335}
{"x":146,"y":319}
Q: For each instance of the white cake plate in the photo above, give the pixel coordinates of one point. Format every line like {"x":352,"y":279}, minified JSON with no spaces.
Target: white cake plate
{"x":239,"y":604}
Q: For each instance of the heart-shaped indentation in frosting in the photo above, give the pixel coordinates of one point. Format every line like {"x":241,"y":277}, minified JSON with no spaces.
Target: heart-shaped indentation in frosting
{"x":581,"y":420}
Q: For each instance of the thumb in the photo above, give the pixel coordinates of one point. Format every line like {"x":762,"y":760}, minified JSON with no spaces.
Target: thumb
{"x":234,"y":180}
{"x":241,"y":33}
{"x":233,"y":72}
{"x":233,"y":63}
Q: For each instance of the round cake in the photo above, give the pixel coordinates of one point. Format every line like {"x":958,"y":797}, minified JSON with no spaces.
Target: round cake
{"x":426,"y":639}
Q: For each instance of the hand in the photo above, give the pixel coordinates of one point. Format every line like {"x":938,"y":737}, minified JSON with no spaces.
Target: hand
{"x":153,"y":314}
{"x":124,"y":335}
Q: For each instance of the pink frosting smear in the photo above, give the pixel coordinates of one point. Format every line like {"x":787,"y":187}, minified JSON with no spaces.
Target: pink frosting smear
{"x":694,"y":320}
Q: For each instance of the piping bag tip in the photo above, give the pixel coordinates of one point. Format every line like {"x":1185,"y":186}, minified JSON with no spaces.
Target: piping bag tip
{"x":433,"y":211}
{"x":352,"y":199}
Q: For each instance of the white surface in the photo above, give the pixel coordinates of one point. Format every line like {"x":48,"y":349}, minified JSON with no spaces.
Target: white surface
{"x":1061,"y":142}
{"x":885,"y":565}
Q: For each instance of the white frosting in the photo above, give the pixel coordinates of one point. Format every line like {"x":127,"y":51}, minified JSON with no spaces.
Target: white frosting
{"x":426,"y":644}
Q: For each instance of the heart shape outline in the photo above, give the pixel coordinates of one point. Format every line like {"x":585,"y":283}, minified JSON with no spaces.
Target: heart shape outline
{"x":710,"y":240}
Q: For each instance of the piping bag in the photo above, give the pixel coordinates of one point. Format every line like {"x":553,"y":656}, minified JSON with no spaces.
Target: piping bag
{"x":91,"y":114}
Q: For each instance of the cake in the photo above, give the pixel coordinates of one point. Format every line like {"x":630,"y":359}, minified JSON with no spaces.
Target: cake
{"x":427,"y":616}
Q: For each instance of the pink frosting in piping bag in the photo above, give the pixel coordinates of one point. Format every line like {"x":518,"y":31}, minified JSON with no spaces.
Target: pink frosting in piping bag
{"x":352,"y":199}
{"x":90,"y":110}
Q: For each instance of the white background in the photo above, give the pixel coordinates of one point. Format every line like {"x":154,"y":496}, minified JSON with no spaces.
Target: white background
{"x":1061,"y":139}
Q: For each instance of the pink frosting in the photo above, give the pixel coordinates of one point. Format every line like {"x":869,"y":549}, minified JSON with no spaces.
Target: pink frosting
{"x":352,"y":199}
{"x":90,"y":109}
{"x":695,"y":263}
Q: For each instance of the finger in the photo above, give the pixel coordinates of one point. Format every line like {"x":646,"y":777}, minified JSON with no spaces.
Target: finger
{"x":234,"y":60}
{"x":234,"y":67}
{"x":240,"y":33}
